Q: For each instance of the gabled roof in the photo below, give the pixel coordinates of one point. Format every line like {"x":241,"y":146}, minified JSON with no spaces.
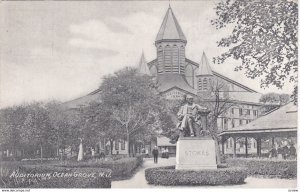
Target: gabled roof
{"x":170,"y":29}
{"x":233,"y":82}
{"x":222,"y":76}
{"x":169,"y":81}
{"x":204,"y":67}
{"x":143,"y":67}
{"x":282,"y":119}
{"x":83,"y":101}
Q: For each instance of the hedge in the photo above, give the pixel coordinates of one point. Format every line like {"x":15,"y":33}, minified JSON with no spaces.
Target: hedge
{"x":124,"y":167}
{"x":170,"y":176}
{"x":49,"y":176}
{"x":267,"y":167}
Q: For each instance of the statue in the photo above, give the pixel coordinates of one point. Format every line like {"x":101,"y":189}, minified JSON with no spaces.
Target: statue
{"x":192,"y":119}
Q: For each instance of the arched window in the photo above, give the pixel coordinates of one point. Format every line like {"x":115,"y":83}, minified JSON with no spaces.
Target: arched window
{"x":168,"y":59}
{"x":175,"y":58}
{"x":182,"y":59}
{"x":160,"y":59}
{"x":205,"y":84}
{"x":200,"y":84}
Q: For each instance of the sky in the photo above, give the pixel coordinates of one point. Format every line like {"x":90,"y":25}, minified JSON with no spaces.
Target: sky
{"x":62,"y":50}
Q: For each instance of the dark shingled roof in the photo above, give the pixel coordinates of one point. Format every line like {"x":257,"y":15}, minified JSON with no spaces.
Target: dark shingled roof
{"x":169,"y":81}
{"x":170,"y":28}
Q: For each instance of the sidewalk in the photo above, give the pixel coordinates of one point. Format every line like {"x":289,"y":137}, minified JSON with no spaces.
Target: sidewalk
{"x":139,"y":181}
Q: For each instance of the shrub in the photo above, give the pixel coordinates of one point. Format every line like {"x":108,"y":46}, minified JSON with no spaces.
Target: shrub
{"x":170,"y":176}
{"x":49,"y":176}
{"x":268,"y":167}
{"x":120,"y":168}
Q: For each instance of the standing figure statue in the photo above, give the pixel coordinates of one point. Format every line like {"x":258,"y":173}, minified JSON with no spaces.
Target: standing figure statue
{"x":189,"y":116}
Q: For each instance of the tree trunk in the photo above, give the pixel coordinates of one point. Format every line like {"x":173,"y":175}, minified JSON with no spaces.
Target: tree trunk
{"x":133,"y":149}
{"x":41,"y":153}
{"x":57,"y":150}
{"x":128,"y":144}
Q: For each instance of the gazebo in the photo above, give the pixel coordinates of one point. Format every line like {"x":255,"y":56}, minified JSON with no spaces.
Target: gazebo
{"x":281,"y":122}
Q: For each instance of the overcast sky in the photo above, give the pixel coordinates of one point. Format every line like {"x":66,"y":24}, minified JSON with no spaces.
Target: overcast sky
{"x":61,"y":50}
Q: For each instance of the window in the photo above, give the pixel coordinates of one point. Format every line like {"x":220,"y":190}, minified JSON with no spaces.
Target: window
{"x":232,"y":123}
{"x":175,"y":57}
{"x":168,"y":59}
{"x":225,"y":123}
{"x":248,"y":111}
{"x":230,"y":143}
{"x":241,"y":111}
{"x":204,"y":84}
{"x":254,"y":113}
{"x":160,"y":59}
{"x":122,"y":145}
{"x":241,"y":122}
{"x":116,"y":145}
{"x":232,"y":111}
{"x":200,"y":84}
{"x":182,"y":59}
{"x":254,"y":144}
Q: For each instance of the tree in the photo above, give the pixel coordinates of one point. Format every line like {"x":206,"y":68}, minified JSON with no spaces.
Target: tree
{"x":37,"y":129}
{"x":59,"y":123}
{"x":133,"y":101}
{"x":100,"y":124}
{"x":273,"y":100}
{"x":264,"y":37}
{"x":11,"y":122}
{"x":217,"y":100}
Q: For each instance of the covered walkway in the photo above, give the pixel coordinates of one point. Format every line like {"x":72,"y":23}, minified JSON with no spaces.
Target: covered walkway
{"x":279,"y":123}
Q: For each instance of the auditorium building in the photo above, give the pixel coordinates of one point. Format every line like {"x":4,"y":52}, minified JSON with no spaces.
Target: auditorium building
{"x":178,"y":75}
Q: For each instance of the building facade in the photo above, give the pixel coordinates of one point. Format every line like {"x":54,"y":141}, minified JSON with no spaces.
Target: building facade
{"x":177,"y":76}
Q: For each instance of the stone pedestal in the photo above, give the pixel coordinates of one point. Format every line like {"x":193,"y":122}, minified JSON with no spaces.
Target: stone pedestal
{"x":195,"y":153}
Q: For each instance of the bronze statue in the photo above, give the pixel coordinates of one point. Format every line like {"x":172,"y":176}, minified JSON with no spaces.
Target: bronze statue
{"x":192,"y":119}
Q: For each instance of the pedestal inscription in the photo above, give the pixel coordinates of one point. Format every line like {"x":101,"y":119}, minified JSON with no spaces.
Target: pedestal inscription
{"x":195,"y":153}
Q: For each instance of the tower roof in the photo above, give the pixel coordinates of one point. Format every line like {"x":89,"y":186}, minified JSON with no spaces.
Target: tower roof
{"x":170,"y":29}
{"x":204,"y":67}
{"x":143,"y":67}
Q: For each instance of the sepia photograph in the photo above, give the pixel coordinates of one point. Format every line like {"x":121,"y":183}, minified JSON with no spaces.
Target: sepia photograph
{"x":162,"y":94}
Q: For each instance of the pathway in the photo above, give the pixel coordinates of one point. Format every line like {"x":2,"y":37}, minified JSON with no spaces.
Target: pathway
{"x":139,"y":181}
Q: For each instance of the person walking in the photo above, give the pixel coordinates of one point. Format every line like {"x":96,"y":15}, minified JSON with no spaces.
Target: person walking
{"x":155,"y":154}
{"x":292,"y":152}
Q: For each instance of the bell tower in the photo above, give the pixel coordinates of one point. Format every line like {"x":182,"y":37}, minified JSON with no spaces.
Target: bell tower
{"x":170,"y":44}
{"x":204,"y":75}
